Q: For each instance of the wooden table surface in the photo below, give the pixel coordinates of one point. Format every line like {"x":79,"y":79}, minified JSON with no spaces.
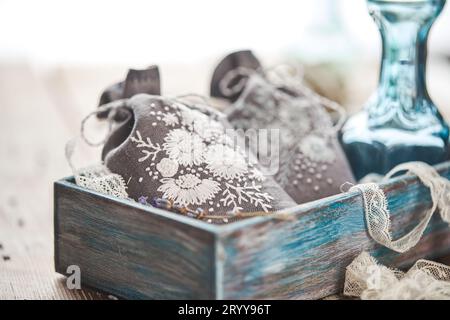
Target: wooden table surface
{"x":34,"y":128}
{"x":40,"y":111}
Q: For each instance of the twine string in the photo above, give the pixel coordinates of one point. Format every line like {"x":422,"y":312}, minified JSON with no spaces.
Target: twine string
{"x":283,"y":75}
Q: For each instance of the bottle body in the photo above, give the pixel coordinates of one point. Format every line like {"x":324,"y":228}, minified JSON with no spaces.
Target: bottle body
{"x":400,"y":122}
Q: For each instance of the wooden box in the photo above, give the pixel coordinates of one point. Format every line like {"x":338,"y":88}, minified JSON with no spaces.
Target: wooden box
{"x":135,"y":251}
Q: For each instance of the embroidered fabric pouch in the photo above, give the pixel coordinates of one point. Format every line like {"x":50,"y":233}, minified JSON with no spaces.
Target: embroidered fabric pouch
{"x":171,"y":150}
{"x":312,"y":163}
{"x":136,"y":81}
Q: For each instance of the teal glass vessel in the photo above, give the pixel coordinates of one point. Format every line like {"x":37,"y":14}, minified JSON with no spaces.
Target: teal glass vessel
{"x":400,"y":122}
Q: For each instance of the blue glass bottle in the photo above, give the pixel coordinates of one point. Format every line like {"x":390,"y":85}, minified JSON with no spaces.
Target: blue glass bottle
{"x":399,"y":123}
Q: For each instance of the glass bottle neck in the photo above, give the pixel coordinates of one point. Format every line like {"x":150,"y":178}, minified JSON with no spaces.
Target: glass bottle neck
{"x":403,"y":64}
{"x":402,"y":99}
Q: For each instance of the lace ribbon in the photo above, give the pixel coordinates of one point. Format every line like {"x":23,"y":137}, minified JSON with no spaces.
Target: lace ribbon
{"x":97,"y":177}
{"x":366,"y":279}
{"x":377,"y":212}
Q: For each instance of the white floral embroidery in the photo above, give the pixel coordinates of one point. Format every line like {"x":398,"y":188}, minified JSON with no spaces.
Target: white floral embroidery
{"x":225,"y":139}
{"x":209,"y":129}
{"x":190,"y":116}
{"x":317,"y":149}
{"x":189,"y":189}
{"x":184,"y":147}
{"x":170,"y":119}
{"x":197,"y":164}
{"x":201,"y":124}
{"x":167,"y":167}
{"x":256,"y":175}
{"x":236,"y":194}
{"x":225,"y":162}
{"x":149,"y":148}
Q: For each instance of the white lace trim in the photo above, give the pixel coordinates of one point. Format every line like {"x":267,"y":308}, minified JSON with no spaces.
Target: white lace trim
{"x":366,"y":279}
{"x":377,"y":212}
{"x":426,"y":279}
{"x":99,"y":178}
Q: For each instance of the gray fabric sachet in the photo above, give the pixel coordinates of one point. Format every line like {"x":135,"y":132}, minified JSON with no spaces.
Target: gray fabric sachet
{"x":136,"y":81}
{"x":312,"y":163}
{"x":172,"y":150}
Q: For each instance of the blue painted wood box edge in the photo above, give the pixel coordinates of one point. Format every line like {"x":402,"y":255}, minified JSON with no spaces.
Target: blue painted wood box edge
{"x":136,"y":251}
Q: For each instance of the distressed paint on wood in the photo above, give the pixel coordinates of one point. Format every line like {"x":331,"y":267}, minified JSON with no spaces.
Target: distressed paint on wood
{"x":131,"y":252}
{"x":306,"y":258}
{"x":136,"y":251}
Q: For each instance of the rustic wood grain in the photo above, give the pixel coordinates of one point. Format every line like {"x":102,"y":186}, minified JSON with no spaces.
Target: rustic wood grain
{"x":306,"y":258}
{"x":32,"y":138}
{"x":136,"y":251}
{"x":124,"y":249}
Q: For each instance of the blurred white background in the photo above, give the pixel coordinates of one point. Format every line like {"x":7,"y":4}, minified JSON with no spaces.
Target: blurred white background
{"x":85,"y":45}
{"x":137,"y":32}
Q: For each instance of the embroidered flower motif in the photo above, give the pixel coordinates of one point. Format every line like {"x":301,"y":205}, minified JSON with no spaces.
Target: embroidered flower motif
{"x":189,"y":189}
{"x":190,"y":116}
{"x":317,"y":149}
{"x":148,"y":148}
{"x":184,"y":147}
{"x":235,"y":195}
{"x":256,"y":175}
{"x":201,"y":123}
{"x":195,"y":163}
{"x":208,"y":129}
{"x":167,"y":167}
{"x":225,"y":162}
{"x":170,"y":119}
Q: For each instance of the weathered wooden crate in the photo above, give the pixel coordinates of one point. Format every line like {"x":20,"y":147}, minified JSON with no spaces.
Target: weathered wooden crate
{"x":136,"y":251}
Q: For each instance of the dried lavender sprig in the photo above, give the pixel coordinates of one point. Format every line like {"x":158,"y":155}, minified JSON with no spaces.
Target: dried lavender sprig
{"x":199,"y":213}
